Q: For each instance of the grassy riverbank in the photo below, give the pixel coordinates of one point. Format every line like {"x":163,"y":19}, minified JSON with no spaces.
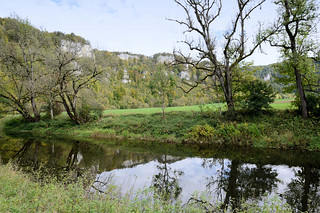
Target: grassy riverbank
{"x":22,"y":192}
{"x":279,"y":129}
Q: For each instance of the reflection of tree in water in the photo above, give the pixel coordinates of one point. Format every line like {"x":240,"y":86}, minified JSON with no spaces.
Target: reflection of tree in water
{"x":49,"y":159}
{"x":303,"y":193}
{"x":24,"y":156}
{"x":166,"y":182}
{"x":238,"y":182}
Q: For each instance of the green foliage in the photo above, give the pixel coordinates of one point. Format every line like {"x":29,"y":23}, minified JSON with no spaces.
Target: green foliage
{"x":286,"y":73}
{"x":201,"y":132}
{"x":128,"y":102}
{"x":162,"y":85}
{"x":258,"y":95}
{"x":295,"y":36}
{"x":57,"y":109}
{"x":242,"y":134}
{"x":313,"y":104}
{"x":90,"y":112}
{"x":281,"y":129}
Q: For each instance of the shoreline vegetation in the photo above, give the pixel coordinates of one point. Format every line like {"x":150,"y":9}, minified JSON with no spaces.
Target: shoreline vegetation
{"x":279,"y":128}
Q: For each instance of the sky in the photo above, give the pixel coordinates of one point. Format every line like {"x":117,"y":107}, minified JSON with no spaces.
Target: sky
{"x":135,"y":26}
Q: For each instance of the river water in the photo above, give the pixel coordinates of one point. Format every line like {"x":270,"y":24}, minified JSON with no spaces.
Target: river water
{"x":228,"y":175}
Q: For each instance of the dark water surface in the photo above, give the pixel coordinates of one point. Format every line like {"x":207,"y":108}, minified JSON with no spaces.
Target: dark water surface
{"x":228,"y":175}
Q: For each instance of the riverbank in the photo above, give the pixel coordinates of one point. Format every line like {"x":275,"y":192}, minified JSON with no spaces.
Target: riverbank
{"x":276,"y":129}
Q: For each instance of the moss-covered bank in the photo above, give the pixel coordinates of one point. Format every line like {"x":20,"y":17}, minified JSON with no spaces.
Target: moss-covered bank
{"x":278,"y":129}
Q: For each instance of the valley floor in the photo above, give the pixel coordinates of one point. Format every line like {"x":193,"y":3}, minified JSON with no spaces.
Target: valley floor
{"x":280,"y":129}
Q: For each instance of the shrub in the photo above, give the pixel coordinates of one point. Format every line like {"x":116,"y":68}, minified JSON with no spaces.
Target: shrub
{"x":313,"y":104}
{"x":91,"y":112}
{"x":128,"y":102}
{"x":258,"y":95}
{"x":201,"y":132}
{"x":228,"y":132}
{"x":241,"y":134}
{"x":57,"y":109}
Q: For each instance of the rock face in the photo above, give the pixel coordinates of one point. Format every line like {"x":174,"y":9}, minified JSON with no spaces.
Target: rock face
{"x":126,"y":56}
{"x":126,"y":77}
{"x":268,"y":77}
{"x":165,"y":58}
{"x":81,"y":50}
{"x":184,"y":75}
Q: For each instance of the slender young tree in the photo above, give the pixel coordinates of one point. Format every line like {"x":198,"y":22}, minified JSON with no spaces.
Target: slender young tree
{"x":297,"y":22}
{"x":162,"y":84}
{"x":202,"y":20}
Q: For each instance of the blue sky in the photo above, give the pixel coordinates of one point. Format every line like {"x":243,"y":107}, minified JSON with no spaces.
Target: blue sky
{"x":136,"y":26}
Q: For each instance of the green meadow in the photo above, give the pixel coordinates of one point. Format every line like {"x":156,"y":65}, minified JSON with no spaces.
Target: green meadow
{"x":280,"y":104}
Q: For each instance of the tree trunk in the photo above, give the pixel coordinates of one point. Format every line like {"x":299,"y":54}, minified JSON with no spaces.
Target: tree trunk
{"x":35,"y":110}
{"x":36,"y":113}
{"x":163,"y":115}
{"x":67,"y":108}
{"x":303,"y":101}
{"x":163,"y":105}
{"x":295,"y":57}
{"x":51,"y":107}
{"x":230,"y":103}
{"x":23,"y":111}
{"x":231,"y":193}
{"x":306,"y":187}
{"x":228,"y":94}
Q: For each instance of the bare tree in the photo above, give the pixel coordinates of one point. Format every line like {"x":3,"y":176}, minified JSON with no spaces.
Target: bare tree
{"x":201,"y":19}
{"x":75,"y":71}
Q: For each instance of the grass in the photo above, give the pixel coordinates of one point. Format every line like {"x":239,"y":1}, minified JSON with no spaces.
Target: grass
{"x":279,"y":129}
{"x":195,"y":108}
{"x":22,"y":192}
{"x":280,"y":104}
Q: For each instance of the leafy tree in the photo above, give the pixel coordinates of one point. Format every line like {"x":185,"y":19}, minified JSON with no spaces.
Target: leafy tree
{"x":258,"y":95}
{"x":162,"y":85}
{"x":296,"y":24}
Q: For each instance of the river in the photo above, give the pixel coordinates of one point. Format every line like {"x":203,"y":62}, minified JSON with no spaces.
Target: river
{"x":228,"y":175}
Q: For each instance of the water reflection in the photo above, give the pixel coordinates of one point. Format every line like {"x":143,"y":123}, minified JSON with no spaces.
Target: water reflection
{"x":303,"y":192}
{"x":166,"y":181}
{"x":230,"y":177}
{"x":239,"y":181}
